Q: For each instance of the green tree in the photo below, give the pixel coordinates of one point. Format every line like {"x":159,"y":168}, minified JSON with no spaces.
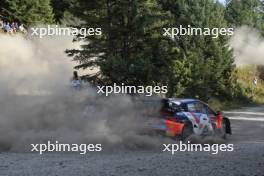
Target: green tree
{"x":245,"y":12}
{"x":131,"y":49}
{"x":29,"y":12}
{"x":205,"y":63}
{"x":60,"y":7}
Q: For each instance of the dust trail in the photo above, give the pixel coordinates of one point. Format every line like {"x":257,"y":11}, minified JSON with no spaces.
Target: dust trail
{"x":37,"y":103}
{"x":248,"y":46}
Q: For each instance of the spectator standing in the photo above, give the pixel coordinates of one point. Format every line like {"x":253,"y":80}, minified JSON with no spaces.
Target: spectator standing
{"x":255,"y":81}
{"x":16,"y":26}
{"x":7,"y":27}
{"x":13,"y":28}
{"x":1,"y":24}
{"x":22,"y":29}
{"x":76,"y":81}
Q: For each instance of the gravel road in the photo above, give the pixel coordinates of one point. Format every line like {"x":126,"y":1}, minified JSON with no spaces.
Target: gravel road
{"x":247,"y":159}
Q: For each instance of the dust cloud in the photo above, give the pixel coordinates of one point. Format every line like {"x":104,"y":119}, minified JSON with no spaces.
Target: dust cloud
{"x":248,"y":46}
{"x":37,"y":102}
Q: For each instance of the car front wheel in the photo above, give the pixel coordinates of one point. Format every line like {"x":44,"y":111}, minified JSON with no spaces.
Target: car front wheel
{"x":187,"y":131}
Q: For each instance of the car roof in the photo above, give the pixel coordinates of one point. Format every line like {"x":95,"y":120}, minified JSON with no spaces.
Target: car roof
{"x":181,"y":100}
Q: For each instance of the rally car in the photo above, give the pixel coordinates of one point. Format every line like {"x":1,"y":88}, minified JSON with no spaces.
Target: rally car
{"x":185,"y":117}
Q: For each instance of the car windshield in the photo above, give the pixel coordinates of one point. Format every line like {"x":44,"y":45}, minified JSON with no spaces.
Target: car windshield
{"x":175,"y":107}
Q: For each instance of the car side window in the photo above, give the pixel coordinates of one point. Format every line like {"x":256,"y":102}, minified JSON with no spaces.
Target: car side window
{"x":196,"y":107}
{"x":191,"y":107}
{"x":170,"y":106}
{"x":201,"y":108}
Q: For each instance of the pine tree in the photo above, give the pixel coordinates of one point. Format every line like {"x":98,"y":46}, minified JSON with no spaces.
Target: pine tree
{"x":245,"y":12}
{"x":29,"y":12}
{"x":205,"y":63}
{"x":131,"y":49}
{"x":60,"y":7}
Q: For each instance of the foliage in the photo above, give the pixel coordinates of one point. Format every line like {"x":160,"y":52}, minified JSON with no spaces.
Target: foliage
{"x":60,"y":8}
{"x":132,"y":49}
{"x":209,"y":60}
{"x":29,"y":12}
{"x":245,"y":75}
{"x":246,"y":12}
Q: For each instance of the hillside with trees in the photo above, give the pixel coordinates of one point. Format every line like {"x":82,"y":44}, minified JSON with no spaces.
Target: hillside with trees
{"x":132,"y":49}
{"x":29,"y":12}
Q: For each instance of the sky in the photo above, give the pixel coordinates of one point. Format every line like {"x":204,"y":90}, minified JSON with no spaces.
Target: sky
{"x":222,"y":1}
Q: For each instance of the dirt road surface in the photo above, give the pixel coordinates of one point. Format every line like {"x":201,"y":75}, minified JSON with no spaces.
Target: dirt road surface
{"x":247,"y":159}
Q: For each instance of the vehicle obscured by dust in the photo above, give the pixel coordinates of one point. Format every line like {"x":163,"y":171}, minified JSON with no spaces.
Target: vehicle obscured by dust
{"x":38,"y":104}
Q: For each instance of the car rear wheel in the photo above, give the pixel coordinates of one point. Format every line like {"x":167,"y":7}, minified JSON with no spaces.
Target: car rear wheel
{"x":223,"y":129}
{"x":187,"y":131}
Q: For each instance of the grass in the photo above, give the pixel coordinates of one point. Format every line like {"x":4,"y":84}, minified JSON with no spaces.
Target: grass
{"x":246,"y":74}
{"x":218,"y":105}
{"x":252,"y":95}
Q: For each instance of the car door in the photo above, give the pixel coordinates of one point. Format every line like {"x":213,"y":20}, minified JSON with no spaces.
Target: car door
{"x":216,"y":119}
{"x":197,"y":114}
